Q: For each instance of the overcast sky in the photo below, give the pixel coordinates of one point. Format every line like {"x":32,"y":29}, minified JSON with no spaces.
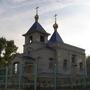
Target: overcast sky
{"x":17,"y":16}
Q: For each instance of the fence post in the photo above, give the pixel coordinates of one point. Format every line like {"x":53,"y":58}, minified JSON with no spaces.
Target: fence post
{"x":6,"y":76}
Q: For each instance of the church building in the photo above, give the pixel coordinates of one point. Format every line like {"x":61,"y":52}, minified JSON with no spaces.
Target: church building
{"x":46,"y":62}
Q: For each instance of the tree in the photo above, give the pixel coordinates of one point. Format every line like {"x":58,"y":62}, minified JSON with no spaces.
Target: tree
{"x":7,"y":50}
{"x":2,"y":45}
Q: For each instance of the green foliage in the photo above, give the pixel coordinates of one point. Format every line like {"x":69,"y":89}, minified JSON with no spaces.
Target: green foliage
{"x":2,"y":45}
{"x":7,"y":51}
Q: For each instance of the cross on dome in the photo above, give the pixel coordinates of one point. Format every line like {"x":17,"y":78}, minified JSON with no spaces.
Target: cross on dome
{"x":55,"y":26}
{"x":55,"y":17}
{"x":36,"y":16}
{"x":37,"y":10}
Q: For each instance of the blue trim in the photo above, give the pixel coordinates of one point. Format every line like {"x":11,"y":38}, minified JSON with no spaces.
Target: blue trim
{"x":55,"y":38}
{"x":36,"y":27}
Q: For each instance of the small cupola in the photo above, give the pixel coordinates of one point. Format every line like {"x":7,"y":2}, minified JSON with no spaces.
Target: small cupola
{"x":55,"y":26}
{"x":55,"y":38}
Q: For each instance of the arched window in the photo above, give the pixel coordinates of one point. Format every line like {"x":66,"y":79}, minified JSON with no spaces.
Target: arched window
{"x":16,"y":68}
{"x":65,"y":64}
{"x":73,"y":59}
{"x":30,"y":38}
{"x":51,"y":63}
{"x":81,"y":66}
{"x":42,"y":38}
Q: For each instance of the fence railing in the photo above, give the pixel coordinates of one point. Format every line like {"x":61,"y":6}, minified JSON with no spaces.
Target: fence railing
{"x":13,"y":82}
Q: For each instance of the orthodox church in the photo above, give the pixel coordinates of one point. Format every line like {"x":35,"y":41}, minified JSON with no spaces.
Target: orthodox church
{"x":46,"y":62}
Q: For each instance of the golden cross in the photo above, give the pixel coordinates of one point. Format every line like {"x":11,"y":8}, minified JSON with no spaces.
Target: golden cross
{"x":55,"y":17}
{"x":37,"y":10}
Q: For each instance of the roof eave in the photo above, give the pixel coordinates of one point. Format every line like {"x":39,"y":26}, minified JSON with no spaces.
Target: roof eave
{"x":36,"y":31}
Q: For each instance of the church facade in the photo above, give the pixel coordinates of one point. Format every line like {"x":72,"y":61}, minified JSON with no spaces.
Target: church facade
{"x":46,"y":63}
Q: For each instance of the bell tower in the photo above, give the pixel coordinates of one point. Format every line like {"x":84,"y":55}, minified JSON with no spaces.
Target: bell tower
{"x":36,"y":36}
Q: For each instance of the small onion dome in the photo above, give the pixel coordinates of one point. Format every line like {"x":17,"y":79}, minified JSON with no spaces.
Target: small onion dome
{"x":55,"y":26}
{"x":36,"y":18}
